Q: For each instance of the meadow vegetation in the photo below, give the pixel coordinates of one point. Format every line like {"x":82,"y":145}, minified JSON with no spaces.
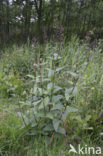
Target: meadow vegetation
{"x":50,"y":97}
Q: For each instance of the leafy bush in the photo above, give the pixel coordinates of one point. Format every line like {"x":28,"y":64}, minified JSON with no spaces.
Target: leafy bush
{"x":44,"y":112}
{"x":46,"y":108}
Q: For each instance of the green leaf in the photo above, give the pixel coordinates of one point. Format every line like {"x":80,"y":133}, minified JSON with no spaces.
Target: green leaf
{"x":75,"y":91}
{"x":24,"y":103}
{"x":57,"y":107}
{"x":72,"y":90}
{"x":88,"y":117}
{"x":31,"y":76}
{"x":50,"y":72}
{"x":44,"y":103}
{"x":73,"y":74}
{"x":70,"y":110}
{"x":50,"y":116}
{"x":33,"y":125}
{"x":70,"y":82}
{"x":57,"y":88}
{"x":57,"y":98}
{"x":38,"y":80}
{"x":37,"y":102}
{"x":59,"y":69}
{"x":41,"y":106}
{"x":40,"y":114}
{"x":61,"y":130}
{"x":33,"y":99}
{"x":67,"y":92}
{"x":79,"y":119}
{"x":56,"y":124}
{"x":50,"y":86}
{"x":49,"y":127}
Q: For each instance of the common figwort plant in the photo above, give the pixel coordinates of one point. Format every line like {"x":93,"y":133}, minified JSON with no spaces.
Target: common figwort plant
{"x":45,"y":107}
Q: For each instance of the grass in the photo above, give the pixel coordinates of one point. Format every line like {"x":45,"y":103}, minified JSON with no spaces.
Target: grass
{"x":81,"y":69}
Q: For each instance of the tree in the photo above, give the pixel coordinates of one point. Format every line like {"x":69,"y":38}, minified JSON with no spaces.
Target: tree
{"x":38,"y":6}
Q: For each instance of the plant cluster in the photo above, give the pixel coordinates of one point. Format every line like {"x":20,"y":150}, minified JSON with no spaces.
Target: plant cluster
{"x":63,"y":94}
{"x":46,"y":109}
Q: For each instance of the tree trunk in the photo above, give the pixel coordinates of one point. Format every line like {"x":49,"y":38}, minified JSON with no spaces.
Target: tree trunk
{"x":38,"y":7}
{"x":7,"y":22}
{"x":28,"y":8}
